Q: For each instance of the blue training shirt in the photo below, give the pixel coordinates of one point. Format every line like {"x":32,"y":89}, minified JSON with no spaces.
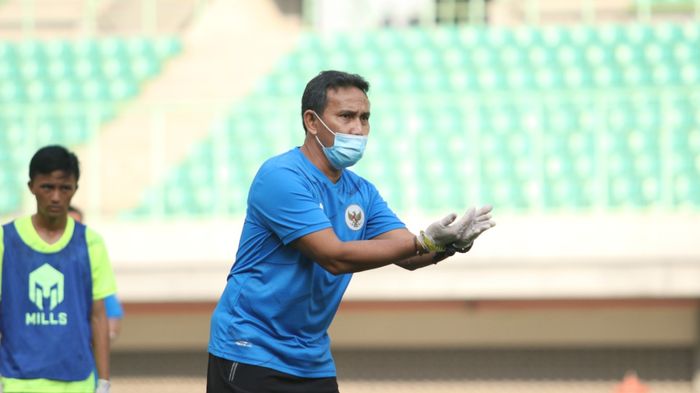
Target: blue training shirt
{"x":278,"y":304}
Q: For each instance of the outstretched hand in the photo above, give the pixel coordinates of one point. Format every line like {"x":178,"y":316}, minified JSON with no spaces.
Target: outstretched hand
{"x":458,"y":235}
{"x":480,"y":223}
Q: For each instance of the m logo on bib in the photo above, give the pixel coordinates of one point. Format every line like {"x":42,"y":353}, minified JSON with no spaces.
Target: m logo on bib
{"x":46,"y":285}
{"x":354,"y":217}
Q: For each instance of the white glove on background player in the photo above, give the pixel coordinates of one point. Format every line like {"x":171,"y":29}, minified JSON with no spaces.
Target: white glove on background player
{"x":478,"y":225}
{"x":102,"y":386}
{"x":458,"y":234}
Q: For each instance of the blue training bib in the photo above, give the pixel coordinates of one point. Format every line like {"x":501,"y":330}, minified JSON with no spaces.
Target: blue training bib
{"x":46,"y":307}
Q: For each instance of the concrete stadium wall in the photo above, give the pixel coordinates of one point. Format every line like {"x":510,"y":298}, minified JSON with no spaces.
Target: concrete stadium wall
{"x":447,"y":346}
{"x":631,"y":323}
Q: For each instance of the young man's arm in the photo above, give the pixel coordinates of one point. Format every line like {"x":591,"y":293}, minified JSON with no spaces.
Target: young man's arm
{"x":100,"y":338}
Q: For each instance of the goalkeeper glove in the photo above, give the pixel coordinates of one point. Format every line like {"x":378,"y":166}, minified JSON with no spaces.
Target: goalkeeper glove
{"x":438,"y":235}
{"x":478,"y":225}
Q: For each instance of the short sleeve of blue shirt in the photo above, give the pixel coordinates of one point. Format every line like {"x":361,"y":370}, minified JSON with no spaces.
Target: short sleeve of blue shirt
{"x":381,"y":218}
{"x":284,"y":202}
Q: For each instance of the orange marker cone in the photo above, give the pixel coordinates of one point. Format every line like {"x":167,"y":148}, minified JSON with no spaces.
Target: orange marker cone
{"x":631,"y":384}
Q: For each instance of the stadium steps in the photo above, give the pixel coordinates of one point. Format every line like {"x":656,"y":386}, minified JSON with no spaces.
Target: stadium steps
{"x":177,"y":109}
{"x":46,"y":18}
{"x":153,"y":17}
{"x":77,"y":18}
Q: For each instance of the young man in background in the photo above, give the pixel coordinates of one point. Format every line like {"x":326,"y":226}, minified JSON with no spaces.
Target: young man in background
{"x":55,"y":275}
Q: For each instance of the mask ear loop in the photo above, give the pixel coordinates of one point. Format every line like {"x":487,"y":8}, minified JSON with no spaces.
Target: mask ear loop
{"x":319,"y":142}
{"x":329,"y":130}
{"x":322,"y":122}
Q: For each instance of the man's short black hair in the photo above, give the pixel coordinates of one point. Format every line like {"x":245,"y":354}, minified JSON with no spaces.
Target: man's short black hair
{"x":314,"y":96}
{"x":54,"y":158}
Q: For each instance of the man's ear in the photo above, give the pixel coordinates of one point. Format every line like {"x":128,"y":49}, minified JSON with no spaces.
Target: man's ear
{"x":310,"y":122}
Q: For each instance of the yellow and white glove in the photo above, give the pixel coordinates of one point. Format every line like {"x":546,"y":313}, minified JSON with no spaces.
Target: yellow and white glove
{"x":438,"y":235}
{"x":102,"y":386}
{"x":480,"y":223}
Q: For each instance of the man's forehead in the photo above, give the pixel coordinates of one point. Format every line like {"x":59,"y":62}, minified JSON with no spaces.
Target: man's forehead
{"x":57,"y":176}
{"x":348,"y":98}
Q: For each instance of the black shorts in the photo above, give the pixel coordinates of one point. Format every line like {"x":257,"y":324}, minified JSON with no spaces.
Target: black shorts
{"x":225,"y":376}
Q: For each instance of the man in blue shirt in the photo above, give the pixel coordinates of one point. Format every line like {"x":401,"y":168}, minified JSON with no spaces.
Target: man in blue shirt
{"x":310,"y":224}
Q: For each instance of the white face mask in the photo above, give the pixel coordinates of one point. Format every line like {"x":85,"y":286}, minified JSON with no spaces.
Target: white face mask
{"x":346,"y":150}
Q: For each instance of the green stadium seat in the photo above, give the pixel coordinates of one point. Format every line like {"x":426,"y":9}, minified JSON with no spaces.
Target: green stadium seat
{"x":625,"y":192}
{"x":39,"y":91}
{"x":31,"y":50}
{"x":67,"y":91}
{"x":87,"y":50}
{"x":429,"y":59}
{"x":416,"y":39}
{"x":31,"y":68}
{"x":121,"y":89}
{"x":555,"y":37}
{"x":11,"y":91}
{"x":573,"y":194}
{"x":58,"y":50}
{"x":668,"y":32}
{"x":526,"y":36}
{"x":112,"y":48}
{"x":94,"y":90}
{"x":140,"y":47}
{"x":444,"y":38}
{"x":59,"y":69}
{"x":142,"y":68}
{"x":8,"y":69}
{"x":9,"y":201}
{"x":8,"y":51}
{"x":609,"y":35}
{"x":664,"y":75}
{"x":686,"y":191}
{"x":166,"y":47}
{"x":114,"y":67}
{"x":690,"y":74}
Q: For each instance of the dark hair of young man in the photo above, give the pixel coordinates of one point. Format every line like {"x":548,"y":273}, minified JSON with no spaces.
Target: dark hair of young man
{"x":54,"y":158}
